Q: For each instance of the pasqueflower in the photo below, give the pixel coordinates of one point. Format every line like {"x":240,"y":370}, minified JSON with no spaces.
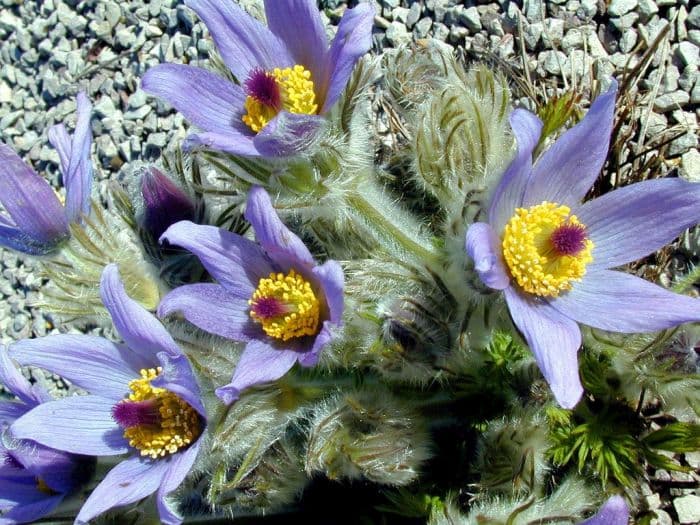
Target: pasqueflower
{"x":551,"y":255}
{"x":36,"y":222}
{"x":33,"y":479}
{"x":287,"y":75}
{"x":271,"y":295}
{"x":143,"y":400}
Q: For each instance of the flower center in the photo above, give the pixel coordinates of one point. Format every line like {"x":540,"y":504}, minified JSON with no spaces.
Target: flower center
{"x":285,"y":306}
{"x":269,"y":92}
{"x":546,"y":249}
{"x":156,"y":421}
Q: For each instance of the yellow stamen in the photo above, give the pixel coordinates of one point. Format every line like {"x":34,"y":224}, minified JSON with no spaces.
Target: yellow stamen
{"x":296,"y":95}
{"x":179,"y":422}
{"x":533,"y":262}
{"x":285,"y":306}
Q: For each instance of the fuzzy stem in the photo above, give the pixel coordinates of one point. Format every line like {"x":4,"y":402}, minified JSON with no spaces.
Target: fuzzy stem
{"x":382,"y":217}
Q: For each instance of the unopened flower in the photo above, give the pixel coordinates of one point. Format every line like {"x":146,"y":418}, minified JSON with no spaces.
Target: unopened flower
{"x":272,"y":295}
{"x":143,"y":399}
{"x":164,"y":203}
{"x":36,"y":222}
{"x":33,"y":479}
{"x":614,"y":512}
{"x":551,"y":255}
{"x":288,"y":75}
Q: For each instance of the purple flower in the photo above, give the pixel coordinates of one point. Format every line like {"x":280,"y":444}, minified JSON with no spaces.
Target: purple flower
{"x":33,"y":479}
{"x":614,"y":512}
{"x":551,"y":255}
{"x":288,"y":75}
{"x":143,"y":399}
{"x":36,"y":222}
{"x":272,"y":295}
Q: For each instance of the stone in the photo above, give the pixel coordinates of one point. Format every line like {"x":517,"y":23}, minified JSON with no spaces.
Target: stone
{"x":688,"y":509}
{"x":553,"y":32}
{"x":573,"y":39}
{"x":423,"y":27}
{"x":647,"y":8}
{"x":683,"y":144}
{"x":628,"y":40}
{"x":688,"y":53}
{"x":655,"y":124}
{"x":694,"y":17}
{"x":400,"y":14}
{"x":671,"y":101}
{"x":414,"y":13}
{"x":621,"y":7}
{"x":470,"y":19}
{"x":625,"y":22}
{"x":662,"y":518}
{"x":552,"y":61}
{"x":397,"y":34}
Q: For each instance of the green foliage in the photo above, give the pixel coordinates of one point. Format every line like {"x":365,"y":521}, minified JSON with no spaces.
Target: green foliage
{"x":675,"y":437}
{"x":603,"y":441}
{"x":557,"y":111}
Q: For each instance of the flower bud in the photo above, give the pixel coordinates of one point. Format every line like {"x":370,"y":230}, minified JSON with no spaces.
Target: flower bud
{"x":164,"y":203}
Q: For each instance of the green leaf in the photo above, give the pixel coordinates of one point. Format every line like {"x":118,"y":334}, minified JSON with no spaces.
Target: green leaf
{"x":675,"y":437}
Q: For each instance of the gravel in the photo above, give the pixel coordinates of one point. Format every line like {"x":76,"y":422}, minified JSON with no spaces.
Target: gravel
{"x":49,"y":49}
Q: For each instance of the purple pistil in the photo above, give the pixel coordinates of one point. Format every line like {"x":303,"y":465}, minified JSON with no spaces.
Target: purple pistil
{"x":569,"y":239}
{"x":263,"y":87}
{"x":130,"y":414}
{"x":268,"y":307}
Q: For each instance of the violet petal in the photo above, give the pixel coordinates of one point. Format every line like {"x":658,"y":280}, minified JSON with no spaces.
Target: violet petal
{"x":484,"y":247}
{"x":352,"y":40}
{"x":141,"y":331}
{"x":620,"y":302}
{"x":554,"y":340}
{"x":284,"y":247}
{"x":260,"y":363}
{"x":569,"y":167}
{"x":79,"y":424}
{"x":131,"y":480}
{"x":508,"y":195}
{"x":180,"y":465}
{"x":288,"y":134}
{"x":636,"y":220}
{"x":330,"y":276}
{"x":244,"y":43}
{"x":614,"y":512}
{"x":235,"y":262}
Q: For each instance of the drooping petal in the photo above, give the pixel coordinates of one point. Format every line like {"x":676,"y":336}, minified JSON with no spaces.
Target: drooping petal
{"x":283,"y":246}
{"x":32,"y":511}
{"x":508,"y":195}
{"x":298,"y":24}
{"x":30,"y":200}
{"x":177,"y":377}
{"x":351,"y":42}
{"x":77,"y":178}
{"x":259,"y":363}
{"x":620,"y":302}
{"x":91,"y":363}
{"x":141,"y":331}
{"x":213,"y":309}
{"x":209,"y":101}
{"x":235,"y":262}
{"x":310,"y":358}
{"x":232,"y":141}
{"x":79,"y":424}
{"x":244,"y":43}
{"x":554,"y":340}
{"x":614,"y":512}
{"x":330,"y":276}
{"x":180,"y":466}
{"x":634,"y":221}
{"x":484,"y":247}
{"x":288,"y":134}
{"x":569,"y":167}
{"x":60,"y":140}
{"x":131,"y":480}
{"x":14,"y":381}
